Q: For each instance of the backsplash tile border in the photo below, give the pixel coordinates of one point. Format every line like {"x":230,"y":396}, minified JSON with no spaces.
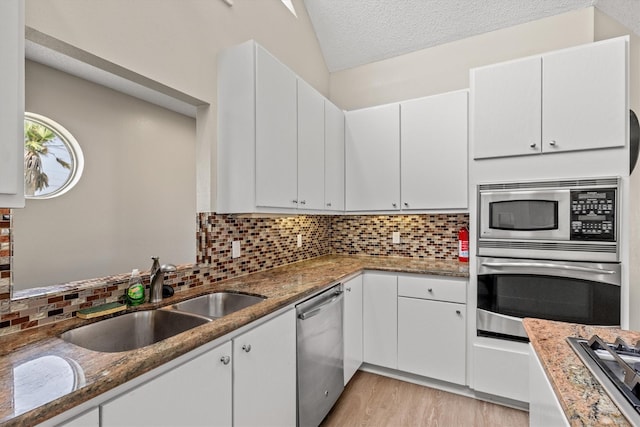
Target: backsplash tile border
{"x":265,"y":243}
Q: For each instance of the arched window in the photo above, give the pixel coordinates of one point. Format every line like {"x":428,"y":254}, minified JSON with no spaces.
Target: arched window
{"x":53,"y":160}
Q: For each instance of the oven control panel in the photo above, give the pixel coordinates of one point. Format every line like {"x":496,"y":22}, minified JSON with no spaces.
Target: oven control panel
{"x":593,"y":215}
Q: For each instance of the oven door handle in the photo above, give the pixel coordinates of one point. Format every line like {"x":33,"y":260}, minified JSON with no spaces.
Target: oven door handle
{"x":546,"y":265}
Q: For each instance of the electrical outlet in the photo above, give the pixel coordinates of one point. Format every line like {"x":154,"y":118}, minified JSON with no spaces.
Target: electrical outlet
{"x":235,"y":249}
{"x":396,"y":237}
{"x":299,"y":240}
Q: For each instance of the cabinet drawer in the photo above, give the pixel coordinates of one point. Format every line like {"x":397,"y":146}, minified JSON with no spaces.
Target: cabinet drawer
{"x":433,"y":288}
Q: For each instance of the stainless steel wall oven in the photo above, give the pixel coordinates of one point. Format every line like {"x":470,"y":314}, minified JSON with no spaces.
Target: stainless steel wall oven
{"x":547,"y":250}
{"x":510,"y":289}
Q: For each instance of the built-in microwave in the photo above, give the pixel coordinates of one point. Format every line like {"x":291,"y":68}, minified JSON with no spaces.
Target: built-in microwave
{"x":573,"y":219}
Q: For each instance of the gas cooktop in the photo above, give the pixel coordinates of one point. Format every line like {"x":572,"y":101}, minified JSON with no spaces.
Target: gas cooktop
{"x":616,"y":366}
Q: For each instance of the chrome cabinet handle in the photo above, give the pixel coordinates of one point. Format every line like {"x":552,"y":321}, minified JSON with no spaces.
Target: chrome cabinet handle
{"x":247,"y":347}
{"x":533,"y":145}
{"x":347,"y":289}
{"x":552,"y":143}
{"x":294,"y":201}
{"x":329,"y":204}
{"x":303,"y":202}
{"x":225,"y":360}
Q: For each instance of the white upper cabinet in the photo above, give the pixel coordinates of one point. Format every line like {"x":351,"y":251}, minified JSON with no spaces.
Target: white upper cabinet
{"x":572,"y":99}
{"x":12,"y":104}
{"x":333,"y":157}
{"x":311,"y":147}
{"x":434,"y":152}
{"x":271,"y":138}
{"x":584,"y":97}
{"x":507,"y":106}
{"x":276,"y":133}
{"x":373,"y":158}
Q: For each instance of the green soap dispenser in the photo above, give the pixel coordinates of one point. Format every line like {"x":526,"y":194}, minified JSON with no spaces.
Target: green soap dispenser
{"x":135,"y":292}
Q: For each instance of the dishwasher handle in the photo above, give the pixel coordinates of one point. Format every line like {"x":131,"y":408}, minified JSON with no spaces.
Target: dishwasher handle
{"x":317,"y":309}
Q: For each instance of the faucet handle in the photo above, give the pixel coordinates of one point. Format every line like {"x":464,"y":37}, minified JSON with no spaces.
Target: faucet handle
{"x":168,"y":268}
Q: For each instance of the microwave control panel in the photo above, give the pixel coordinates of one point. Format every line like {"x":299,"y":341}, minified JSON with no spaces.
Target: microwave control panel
{"x":593,"y":215}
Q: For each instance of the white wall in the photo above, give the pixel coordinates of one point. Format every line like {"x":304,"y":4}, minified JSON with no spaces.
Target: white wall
{"x":606,"y":27}
{"x":445,"y":68}
{"x":136,"y":198}
{"x":175,"y":42}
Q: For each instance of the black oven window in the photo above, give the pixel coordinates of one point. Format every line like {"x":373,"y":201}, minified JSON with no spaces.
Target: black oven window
{"x":524,"y":215}
{"x":552,"y":298}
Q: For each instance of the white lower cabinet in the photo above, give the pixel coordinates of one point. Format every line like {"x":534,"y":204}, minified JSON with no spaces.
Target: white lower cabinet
{"x":90,"y":418}
{"x":352,"y":327}
{"x":380,"y":319}
{"x":432,"y":327}
{"x":501,"y":368}
{"x":544,"y":407}
{"x":431,"y":339}
{"x":193,"y":394}
{"x":264,"y":381}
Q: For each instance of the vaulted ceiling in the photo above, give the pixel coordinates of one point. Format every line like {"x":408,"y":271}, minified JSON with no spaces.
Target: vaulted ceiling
{"x":357,"y":32}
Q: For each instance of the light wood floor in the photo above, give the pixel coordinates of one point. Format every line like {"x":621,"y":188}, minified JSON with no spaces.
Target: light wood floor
{"x":374,"y":400}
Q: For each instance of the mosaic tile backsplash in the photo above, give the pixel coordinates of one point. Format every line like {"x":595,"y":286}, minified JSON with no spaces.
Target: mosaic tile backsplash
{"x":265,"y":243}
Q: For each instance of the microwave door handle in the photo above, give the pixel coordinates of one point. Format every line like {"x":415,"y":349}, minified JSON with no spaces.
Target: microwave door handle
{"x":547,"y":265}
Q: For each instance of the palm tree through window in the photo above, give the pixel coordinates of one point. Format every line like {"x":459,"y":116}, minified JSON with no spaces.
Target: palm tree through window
{"x":53,"y":160}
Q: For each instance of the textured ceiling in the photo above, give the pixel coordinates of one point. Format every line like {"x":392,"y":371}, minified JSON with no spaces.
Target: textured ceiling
{"x":357,"y":32}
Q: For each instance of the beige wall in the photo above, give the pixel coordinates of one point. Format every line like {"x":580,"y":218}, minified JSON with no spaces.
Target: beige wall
{"x":175,"y":42}
{"x":136,"y":198}
{"x":445,"y":68}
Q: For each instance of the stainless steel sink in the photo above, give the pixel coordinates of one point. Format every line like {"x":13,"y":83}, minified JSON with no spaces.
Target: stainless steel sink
{"x":217,"y":305}
{"x":132,"y":330}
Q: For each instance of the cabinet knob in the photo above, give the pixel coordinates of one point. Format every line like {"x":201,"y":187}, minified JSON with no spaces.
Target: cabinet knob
{"x":406,"y":205}
{"x":458,"y":312}
{"x":329,"y":204}
{"x":294,"y":201}
{"x":247,"y":347}
{"x":533,"y":145}
{"x":394,"y":204}
{"x":347,"y":289}
{"x":303,"y":202}
{"x":225,"y":360}
{"x":552,"y":143}
{"x":430,"y":290}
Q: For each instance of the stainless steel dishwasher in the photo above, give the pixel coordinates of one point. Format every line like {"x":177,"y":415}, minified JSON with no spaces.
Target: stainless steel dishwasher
{"x":320,"y":355}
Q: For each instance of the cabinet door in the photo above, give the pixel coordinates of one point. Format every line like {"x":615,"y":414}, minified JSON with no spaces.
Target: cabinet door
{"x":194,"y":394}
{"x":544,"y":407}
{"x":380,"y":320}
{"x":373,"y":158}
{"x":333,"y":157}
{"x":506,"y":103}
{"x":352,"y":327}
{"x":276,"y":134}
{"x":425,"y":329}
{"x":90,"y":418}
{"x":264,"y":383}
{"x":585,"y":97}
{"x":433,"y":142}
{"x":310,"y":147}
{"x":12,"y":104}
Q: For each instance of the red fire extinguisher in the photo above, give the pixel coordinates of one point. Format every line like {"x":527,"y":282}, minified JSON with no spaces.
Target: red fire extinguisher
{"x":463,"y":244}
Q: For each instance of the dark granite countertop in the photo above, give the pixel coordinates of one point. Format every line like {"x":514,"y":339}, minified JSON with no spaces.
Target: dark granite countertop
{"x":582,"y":398}
{"x":42,"y":376}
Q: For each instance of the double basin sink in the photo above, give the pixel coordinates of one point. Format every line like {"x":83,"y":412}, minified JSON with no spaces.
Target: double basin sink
{"x":142,"y":328}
